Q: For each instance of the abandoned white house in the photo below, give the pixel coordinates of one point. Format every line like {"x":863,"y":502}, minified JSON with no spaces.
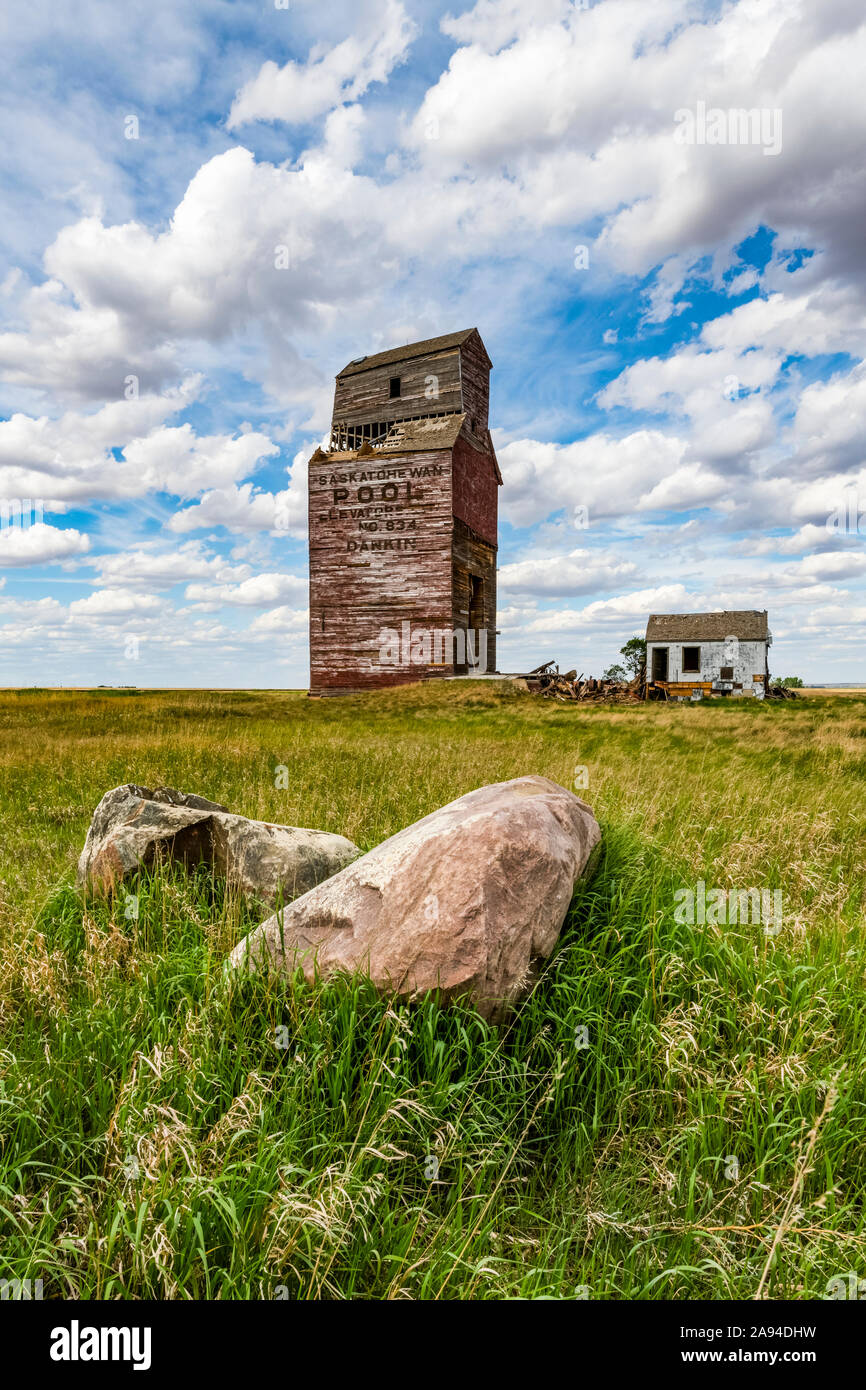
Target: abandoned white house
{"x":693,"y":654}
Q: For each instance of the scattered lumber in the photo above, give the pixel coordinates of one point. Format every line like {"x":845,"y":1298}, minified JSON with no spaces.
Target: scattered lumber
{"x":546,"y":680}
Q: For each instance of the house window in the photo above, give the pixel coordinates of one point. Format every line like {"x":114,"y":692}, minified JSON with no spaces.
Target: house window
{"x":394,"y":388}
{"x":691,"y":658}
{"x":726,"y":673}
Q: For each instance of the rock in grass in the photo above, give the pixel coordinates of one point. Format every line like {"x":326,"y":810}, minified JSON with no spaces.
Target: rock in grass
{"x":463,"y":902}
{"x":133,"y":826}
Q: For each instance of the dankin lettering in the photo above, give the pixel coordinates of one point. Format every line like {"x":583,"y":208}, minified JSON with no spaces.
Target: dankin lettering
{"x":75,"y":1343}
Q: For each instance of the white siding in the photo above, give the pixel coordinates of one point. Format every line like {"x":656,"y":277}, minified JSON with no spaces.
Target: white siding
{"x":749,"y":659}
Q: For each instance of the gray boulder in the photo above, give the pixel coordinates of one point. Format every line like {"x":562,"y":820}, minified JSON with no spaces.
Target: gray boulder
{"x":132,"y":826}
{"x":466,"y":901}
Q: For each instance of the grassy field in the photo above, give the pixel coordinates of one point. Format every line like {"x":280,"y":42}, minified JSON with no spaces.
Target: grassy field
{"x":676,"y":1111}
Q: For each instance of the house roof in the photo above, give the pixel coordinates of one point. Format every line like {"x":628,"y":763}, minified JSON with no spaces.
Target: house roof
{"x":401,"y":354}
{"x":749,"y":625}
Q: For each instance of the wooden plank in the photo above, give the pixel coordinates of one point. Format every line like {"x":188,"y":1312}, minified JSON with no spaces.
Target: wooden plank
{"x":380,"y":556}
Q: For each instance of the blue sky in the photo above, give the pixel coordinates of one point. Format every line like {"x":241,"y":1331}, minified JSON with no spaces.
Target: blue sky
{"x":676,"y":326}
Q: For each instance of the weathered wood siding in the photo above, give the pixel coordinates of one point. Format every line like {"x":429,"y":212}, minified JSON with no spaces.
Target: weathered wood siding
{"x":747,"y":661}
{"x":476,"y":489}
{"x":362,"y":397}
{"x":403,"y":543}
{"x":380,"y":556}
{"x":473,"y":556}
{"x":475,"y":378}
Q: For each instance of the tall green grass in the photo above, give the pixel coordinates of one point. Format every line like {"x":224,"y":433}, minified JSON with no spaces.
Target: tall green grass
{"x":640,"y":1127}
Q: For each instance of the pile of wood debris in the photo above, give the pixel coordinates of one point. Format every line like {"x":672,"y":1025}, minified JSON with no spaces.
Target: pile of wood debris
{"x":546,"y":680}
{"x":782,"y":692}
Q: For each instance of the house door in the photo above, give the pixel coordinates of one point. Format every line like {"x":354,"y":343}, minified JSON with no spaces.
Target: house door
{"x":660,"y":664}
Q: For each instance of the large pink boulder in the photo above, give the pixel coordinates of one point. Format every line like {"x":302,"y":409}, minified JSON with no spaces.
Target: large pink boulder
{"x":463,"y":902}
